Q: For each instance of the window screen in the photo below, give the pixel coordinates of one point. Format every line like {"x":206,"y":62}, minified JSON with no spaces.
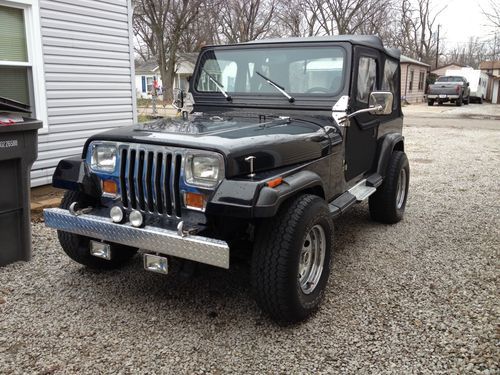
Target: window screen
{"x":367,"y":78}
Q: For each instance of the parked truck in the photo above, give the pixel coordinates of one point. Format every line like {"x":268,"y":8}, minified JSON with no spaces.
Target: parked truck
{"x":478,"y":82}
{"x":284,"y":136}
{"x":453,"y":89}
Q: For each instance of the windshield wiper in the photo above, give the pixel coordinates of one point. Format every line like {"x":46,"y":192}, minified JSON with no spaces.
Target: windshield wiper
{"x":277,"y":87}
{"x":219,"y":86}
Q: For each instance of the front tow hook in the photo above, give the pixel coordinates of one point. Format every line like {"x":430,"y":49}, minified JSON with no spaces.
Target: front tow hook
{"x":75,"y":210}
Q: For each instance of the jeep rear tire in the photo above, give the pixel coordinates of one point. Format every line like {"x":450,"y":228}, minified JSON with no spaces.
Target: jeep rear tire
{"x":291,"y":259}
{"x":78,"y":247}
{"x":388,"y":203}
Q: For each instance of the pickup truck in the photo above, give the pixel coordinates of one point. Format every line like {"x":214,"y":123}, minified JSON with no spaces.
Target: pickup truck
{"x":282,"y":137}
{"x":454,"y":89}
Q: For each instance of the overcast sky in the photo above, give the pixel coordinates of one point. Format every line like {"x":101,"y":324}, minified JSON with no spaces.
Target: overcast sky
{"x":462,"y":19}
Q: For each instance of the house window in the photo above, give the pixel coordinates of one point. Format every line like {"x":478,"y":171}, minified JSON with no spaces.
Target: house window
{"x":21,"y":63}
{"x":412,"y":74}
{"x":421,"y":80}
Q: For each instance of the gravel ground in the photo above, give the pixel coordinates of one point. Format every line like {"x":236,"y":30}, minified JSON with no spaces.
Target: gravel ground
{"x":417,"y":297}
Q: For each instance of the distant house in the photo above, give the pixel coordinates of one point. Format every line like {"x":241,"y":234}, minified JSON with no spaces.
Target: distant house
{"x":492,"y":69}
{"x":413,"y":79}
{"x":441,"y":71}
{"x":146,"y":72}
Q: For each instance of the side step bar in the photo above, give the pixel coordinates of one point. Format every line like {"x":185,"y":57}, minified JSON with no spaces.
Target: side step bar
{"x":358,"y":193}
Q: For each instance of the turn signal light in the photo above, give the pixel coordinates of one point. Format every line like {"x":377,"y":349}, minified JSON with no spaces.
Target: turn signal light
{"x":109,"y":187}
{"x":194,"y":200}
{"x":275,"y":182}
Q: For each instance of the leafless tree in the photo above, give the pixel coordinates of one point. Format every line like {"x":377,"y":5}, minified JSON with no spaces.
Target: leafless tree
{"x":245,"y":20}
{"x":297,"y":17}
{"x":492,"y":13}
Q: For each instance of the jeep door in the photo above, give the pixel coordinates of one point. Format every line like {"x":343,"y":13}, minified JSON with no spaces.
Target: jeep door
{"x":361,"y":135}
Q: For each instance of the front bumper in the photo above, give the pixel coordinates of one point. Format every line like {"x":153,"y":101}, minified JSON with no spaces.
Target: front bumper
{"x":158,"y":240}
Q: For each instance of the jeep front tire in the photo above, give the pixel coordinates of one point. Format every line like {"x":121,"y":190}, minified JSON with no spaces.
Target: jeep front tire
{"x":291,"y":259}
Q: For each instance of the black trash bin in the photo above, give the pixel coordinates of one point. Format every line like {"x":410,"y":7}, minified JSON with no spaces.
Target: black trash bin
{"x":18,"y":151}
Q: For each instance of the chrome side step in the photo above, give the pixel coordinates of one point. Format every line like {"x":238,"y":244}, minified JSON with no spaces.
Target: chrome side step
{"x":358,"y":193}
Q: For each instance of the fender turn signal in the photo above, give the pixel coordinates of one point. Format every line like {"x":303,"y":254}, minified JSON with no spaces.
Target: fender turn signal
{"x":275,"y":182}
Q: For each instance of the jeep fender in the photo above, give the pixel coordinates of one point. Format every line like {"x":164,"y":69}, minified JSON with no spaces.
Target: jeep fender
{"x":270,"y":199}
{"x":247,"y":198}
{"x":386,"y":146}
{"x":74,"y":174}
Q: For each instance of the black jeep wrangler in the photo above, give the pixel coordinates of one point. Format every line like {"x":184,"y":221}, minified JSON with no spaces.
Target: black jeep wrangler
{"x":277,"y":138}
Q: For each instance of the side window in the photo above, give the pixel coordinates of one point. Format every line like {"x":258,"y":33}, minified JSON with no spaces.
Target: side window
{"x":367,"y":78}
{"x":390,"y":82}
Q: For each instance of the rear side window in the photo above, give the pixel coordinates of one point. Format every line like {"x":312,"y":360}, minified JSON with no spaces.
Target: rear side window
{"x":367,"y":78}
{"x":390,"y":79}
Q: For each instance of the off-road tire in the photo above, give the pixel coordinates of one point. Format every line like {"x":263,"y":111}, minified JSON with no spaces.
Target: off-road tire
{"x":275,"y":259}
{"x":459,"y":101}
{"x":383,"y":203}
{"x":77,"y":247}
{"x":430,"y":103}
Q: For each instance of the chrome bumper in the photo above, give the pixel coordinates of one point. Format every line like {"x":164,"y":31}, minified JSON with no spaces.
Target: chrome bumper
{"x":158,"y":240}
{"x":443,"y":96}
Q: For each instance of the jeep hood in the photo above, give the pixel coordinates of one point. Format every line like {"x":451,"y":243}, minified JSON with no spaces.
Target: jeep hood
{"x":275,"y":142}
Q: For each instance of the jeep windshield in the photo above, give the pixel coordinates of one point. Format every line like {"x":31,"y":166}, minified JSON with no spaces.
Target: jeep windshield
{"x":297,"y":70}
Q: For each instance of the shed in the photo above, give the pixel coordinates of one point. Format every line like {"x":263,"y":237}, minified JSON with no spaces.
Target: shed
{"x":72,"y":62}
{"x":492,"y":69}
{"x":413,"y":79}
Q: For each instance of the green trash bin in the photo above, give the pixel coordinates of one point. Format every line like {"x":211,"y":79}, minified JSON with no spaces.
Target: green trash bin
{"x":18,"y":151}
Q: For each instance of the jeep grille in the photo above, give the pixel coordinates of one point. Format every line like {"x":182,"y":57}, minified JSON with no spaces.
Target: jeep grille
{"x":149,"y":179}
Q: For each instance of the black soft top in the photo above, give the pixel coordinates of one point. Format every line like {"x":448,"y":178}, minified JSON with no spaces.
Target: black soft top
{"x":364,"y":40}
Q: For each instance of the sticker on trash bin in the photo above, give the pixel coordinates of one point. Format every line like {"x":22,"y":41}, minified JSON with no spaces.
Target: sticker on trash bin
{"x":9,"y":143}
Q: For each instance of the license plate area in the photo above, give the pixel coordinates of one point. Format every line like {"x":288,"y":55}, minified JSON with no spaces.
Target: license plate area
{"x":156,"y":263}
{"x":443,"y":96}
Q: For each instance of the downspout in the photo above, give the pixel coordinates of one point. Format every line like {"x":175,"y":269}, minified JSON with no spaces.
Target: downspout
{"x":406,"y":80}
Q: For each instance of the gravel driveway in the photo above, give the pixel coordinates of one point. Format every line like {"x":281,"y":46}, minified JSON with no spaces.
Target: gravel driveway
{"x":417,"y":297}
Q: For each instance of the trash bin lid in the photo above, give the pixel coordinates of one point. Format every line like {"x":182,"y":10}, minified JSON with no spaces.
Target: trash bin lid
{"x":7,"y":104}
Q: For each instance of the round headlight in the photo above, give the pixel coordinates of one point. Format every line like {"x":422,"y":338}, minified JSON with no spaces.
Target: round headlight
{"x":103,"y":157}
{"x":116,"y":214}
{"x":136,"y":218}
{"x":205,"y":170}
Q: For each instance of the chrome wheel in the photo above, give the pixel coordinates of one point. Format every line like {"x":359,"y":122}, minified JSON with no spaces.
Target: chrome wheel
{"x":401,"y":189}
{"x":312,"y":259}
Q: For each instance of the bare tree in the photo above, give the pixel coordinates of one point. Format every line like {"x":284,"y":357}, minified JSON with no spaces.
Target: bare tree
{"x":161,"y":25}
{"x":245,"y":20}
{"x":492,"y":13}
{"x":297,"y":17}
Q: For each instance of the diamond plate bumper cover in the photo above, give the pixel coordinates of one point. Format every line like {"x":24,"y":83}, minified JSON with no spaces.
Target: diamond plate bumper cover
{"x":158,"y":240}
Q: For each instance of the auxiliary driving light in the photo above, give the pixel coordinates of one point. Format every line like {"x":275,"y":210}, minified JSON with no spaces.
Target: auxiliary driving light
{"x":156,"y":263}
{"x":136,"y":218}
{"x":116,"y":213}
{"x":100,"y":250}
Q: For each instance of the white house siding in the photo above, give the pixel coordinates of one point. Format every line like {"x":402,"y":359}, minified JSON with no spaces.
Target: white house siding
{"x":89,"y":76}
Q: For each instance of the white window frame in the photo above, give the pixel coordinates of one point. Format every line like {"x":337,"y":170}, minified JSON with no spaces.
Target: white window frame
{"x":32,"y":27}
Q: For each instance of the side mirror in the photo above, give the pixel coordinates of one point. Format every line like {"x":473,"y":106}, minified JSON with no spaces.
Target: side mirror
{"x":381,"y":102}
{"x":178,"y":97}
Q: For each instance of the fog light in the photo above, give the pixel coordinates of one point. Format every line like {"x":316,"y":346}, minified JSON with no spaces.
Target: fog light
{"x":116,"y":214}
{"x":136,"y":218}
{"x":100,"y":250}
{"x":156,"y":263}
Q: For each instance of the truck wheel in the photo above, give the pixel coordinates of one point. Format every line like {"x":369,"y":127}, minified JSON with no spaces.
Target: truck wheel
{"x":481,"y":100}
{"x":388,"y":203}
{"x":430,"y":103}
{"x":466,"y":102}
{"x":459,"y":101}
{"x":77,"y":247}
{"x":291,"y":259}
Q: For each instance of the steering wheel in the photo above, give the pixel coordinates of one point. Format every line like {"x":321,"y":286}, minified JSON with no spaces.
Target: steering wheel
{"x":316,"y":90}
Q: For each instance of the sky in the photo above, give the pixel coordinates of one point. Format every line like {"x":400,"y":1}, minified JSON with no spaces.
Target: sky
{"x":461,"y":20}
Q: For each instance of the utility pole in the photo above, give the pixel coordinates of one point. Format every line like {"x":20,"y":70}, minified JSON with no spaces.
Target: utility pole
{"x":437,"y":48}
